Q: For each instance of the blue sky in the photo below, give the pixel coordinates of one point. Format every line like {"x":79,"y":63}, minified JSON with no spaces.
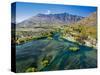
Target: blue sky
{"x":26,"y":10}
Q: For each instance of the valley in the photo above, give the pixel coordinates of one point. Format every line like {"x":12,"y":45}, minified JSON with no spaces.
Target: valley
{"x":52,"y":42}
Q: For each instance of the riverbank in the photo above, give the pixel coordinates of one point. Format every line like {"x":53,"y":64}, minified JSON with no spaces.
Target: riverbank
{"x":77,"y":34}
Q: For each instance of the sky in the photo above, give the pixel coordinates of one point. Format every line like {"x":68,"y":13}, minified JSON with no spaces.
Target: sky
{"x":27,"y":10}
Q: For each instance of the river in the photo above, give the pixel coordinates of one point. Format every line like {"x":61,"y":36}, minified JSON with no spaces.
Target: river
{"x":31,"y":53}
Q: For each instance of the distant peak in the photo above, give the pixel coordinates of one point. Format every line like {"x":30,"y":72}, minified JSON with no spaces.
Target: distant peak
{"x":40,"y":14}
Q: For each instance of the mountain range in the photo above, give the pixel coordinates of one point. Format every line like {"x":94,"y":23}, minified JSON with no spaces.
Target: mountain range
{"x":50,"y":20}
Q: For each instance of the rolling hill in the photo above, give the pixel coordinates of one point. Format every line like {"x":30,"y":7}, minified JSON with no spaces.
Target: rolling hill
{"x":90,"y":20}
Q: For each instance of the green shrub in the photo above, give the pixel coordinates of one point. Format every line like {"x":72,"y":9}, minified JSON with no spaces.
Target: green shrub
{"x":32,"y":69}
{"x":45,"y":62}
{"x":73,"y":48}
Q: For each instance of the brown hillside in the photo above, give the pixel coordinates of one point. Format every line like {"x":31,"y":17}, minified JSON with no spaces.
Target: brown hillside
{"x":90,"y":20}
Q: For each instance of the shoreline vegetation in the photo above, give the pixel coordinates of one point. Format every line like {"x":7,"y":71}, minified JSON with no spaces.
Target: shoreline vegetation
{"x":80,"y":34}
